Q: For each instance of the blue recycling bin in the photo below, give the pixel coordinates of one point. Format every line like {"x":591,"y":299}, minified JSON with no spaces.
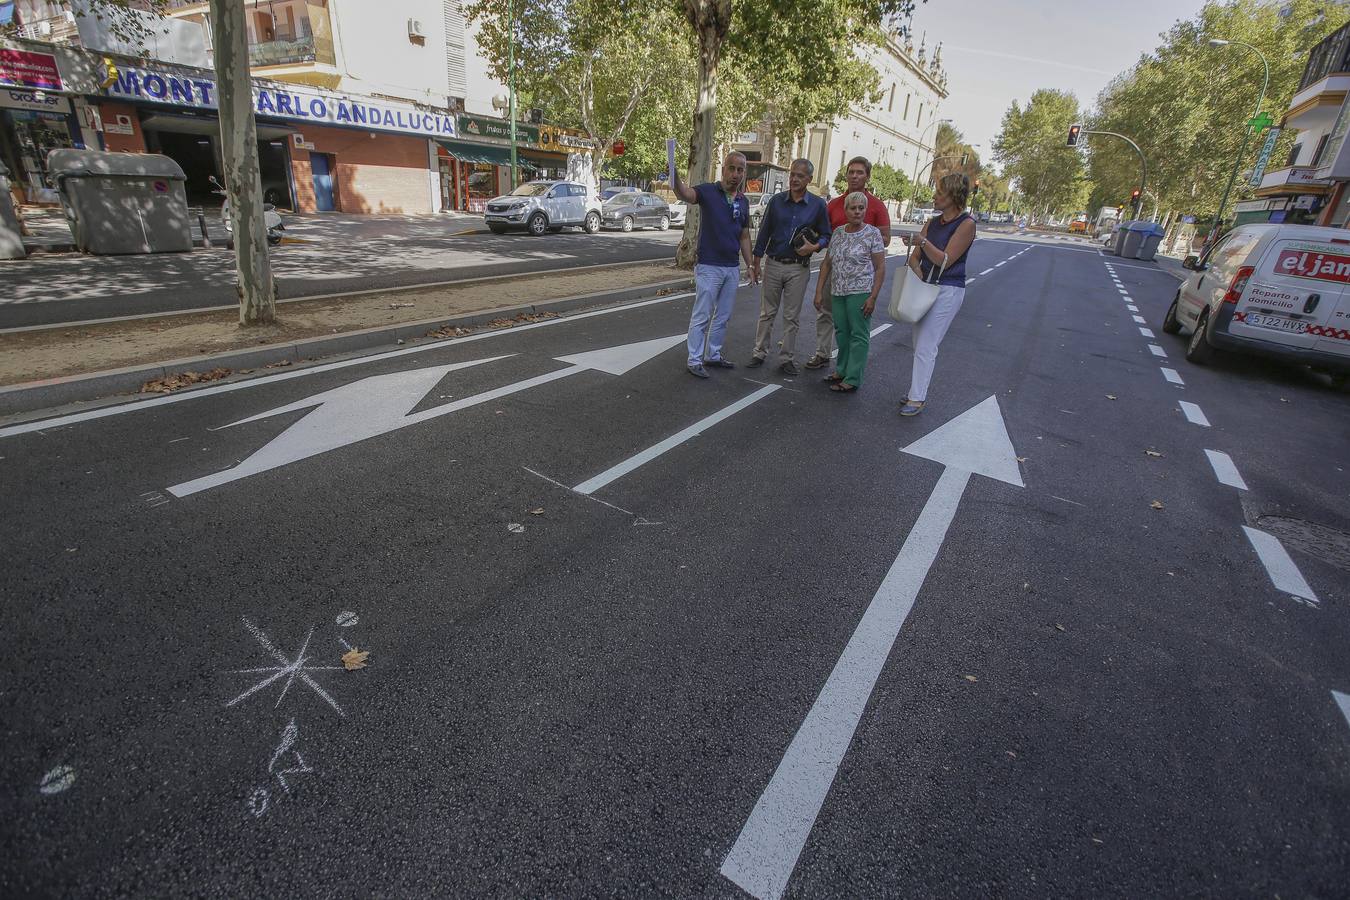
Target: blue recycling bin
{"x":1139,"y":235}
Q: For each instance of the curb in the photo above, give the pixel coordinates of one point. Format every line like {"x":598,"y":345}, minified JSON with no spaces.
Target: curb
{"x":38,"y":395}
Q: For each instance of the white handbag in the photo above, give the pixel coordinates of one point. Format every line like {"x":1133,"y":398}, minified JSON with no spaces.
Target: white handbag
{"x":911,"y":296}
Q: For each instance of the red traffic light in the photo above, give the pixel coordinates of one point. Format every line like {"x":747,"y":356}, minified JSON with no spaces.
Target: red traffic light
{"x":1073,"y":135}
{"x":976,"y":188}
{"x":1134,"y":195}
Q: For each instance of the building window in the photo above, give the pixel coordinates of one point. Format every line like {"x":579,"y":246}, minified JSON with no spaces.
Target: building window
{"x":918,"y":120}
{"x":890,"y":105}
{"x":1317,"y":154}
{"x":906,"y":116}
{"x":1293,"y":155}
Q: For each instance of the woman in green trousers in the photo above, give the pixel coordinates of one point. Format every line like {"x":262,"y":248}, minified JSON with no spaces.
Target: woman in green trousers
{"x":854,"y":269}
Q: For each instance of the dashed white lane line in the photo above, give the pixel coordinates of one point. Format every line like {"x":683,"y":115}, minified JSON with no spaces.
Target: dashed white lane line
{"x":987,"y":271}
{"x":1157,"y":351}
{"x":1194,"y":414}
{"x":1343,"y":701}
{"x":1224,"y":470}
{"x":1172,"y":375}
{"x":1125,"y":292}
{"x":1146,"y":333}
{"x":1140,"y":319}
{"x":1131,"y":307}
{"x":1281,"y":569}
{"x":997,"y":264}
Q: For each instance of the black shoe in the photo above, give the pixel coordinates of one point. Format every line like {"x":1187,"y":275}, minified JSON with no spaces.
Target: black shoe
{"x":789,"y":368}
{"x":698,"y":371}
{"x":720,"y":363}
{"x":755,"y":362}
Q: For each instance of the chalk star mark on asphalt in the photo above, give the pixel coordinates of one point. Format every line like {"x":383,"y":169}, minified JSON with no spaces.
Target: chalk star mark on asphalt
{"x":288,"y":668}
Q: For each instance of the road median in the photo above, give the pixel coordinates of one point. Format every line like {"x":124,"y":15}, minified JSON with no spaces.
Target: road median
{"x":51,"y":367}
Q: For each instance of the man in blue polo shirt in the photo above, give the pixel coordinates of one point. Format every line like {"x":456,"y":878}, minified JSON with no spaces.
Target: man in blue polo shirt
{"x":723,"y":234}
{"x":796,"y":224}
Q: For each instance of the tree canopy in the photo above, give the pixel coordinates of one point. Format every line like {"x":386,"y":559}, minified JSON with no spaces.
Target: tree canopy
{"x":1031,"y":146}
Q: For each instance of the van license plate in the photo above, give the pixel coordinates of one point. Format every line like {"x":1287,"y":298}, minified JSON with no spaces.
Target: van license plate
{"x":1276,"y":323}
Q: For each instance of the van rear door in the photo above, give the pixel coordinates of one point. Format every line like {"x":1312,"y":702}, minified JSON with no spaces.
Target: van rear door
{"x":1294,"y":292}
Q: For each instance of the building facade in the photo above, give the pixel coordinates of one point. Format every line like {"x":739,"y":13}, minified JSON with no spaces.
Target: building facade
{"x":898,"y":130}
{"x":360,"y":107}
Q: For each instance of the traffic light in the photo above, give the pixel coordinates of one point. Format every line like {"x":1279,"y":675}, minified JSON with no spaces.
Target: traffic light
{"x":1073,"y":134}
{"x":1134,"y":195}
{"x":976,"y":188}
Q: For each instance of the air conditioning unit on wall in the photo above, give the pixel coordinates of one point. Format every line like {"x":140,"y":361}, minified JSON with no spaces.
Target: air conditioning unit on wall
{"x":416,"y":29}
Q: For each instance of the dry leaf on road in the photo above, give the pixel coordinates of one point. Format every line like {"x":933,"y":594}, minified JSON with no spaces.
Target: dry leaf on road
{"x":355,"y":659}
{"x":516,"y":528}
{"x":1156,"y":504}
{"x":971,"y":678}
{"x":1112,"y":397}
{"x":537,"y":512}
{"x":1153,"y":453}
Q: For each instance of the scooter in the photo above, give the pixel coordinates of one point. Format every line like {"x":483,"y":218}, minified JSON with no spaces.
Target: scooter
{"x":271,"y":218}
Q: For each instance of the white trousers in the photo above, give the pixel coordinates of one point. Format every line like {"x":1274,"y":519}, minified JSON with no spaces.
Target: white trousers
{"x":928,"y":334}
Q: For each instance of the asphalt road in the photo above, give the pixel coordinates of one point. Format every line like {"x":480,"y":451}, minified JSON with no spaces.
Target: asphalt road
{"x":325,"y":259}
{"x":1091,"y":696}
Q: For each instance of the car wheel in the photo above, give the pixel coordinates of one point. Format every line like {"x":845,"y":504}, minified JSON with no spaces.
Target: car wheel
{"x":627,"y":223}
{"x":665,"y":223}
{"x":538,"y":224}
{"x":1200,"y":351}
{"x":592,"y":223}
{"x":497,"y":229}
{"x":1171,"y":324}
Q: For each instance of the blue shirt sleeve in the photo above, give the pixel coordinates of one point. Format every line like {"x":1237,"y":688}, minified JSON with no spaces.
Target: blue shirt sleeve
{"x":702,"y":191}
{"x":765,"y":227}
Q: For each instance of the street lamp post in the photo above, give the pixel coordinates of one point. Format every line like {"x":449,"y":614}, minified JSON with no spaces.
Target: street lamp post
{"x":914,"y":189}
{"x":1247,"y":132}
{"x":511,"y":67}
{"x":933,"y":124}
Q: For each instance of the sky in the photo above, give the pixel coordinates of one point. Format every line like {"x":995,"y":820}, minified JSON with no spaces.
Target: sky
{"x":998,"y":51}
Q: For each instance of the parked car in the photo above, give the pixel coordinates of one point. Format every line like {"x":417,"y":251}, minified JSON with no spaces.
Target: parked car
{"x":1273,"y":290}
{"x":759,"y":203}
{"x":606,"y":193}
{"x":920,"y":214}
{"x":635,"y":209}
{"x":679,"y":211}
{"x":540,"y":206}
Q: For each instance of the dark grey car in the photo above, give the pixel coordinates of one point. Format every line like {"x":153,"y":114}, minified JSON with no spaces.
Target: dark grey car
{"x":635,"y":209}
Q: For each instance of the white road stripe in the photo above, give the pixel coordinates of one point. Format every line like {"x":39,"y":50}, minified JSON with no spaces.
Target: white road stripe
{"x":1281,"y":569}
{"x":1157,"y":351}
{"x":614,"y":473}
{"x":1172,"y":375}
{"x":834,"y":354}
{"x":997,"y":264}
{"x":1343,"y":701}
{"x":1140,"y":319}
{"x":1146,"y":333}
{"x":1194,"y":414}
{"x":1225,"y":470}
{"x":987,"y":271}
{"x":1131,"y":307}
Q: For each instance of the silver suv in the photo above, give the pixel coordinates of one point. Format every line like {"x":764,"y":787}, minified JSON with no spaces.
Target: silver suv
{"x":540,"y":206}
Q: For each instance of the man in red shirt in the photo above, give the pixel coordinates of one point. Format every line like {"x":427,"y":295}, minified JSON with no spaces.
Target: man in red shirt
{"x":857,"y":173}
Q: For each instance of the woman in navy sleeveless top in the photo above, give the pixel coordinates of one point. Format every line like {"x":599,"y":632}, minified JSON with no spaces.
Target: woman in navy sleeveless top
{"x":939,"y":252}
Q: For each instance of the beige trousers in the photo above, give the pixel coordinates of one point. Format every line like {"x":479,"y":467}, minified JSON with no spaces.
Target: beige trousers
{"x":784,"y":287}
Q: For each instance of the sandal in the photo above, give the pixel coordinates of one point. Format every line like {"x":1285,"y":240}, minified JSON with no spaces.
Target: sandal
{"x":843,"y":388}
{"x":833,"y":378}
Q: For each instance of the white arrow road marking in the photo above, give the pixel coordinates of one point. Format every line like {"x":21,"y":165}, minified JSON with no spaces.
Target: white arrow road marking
{"x":1281,"y":569}
{"x":381,"y":404}
{"x":766,"y":852}
{"x":591,"y":485}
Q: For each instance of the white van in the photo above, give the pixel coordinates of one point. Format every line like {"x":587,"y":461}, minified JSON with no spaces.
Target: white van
{"x":1273,"y":290}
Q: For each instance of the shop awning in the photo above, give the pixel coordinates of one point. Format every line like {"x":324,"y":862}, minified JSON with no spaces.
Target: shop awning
{"x":483,"y":153}
{"x":546,"y":158}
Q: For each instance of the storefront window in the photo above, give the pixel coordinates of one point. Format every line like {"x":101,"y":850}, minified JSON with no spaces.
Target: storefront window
{"x":482,"y":184}
{"x":35,"y":135}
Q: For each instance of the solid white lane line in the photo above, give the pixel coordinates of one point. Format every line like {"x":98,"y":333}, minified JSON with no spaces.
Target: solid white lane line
{"x":1157,"y":351}
{"x":1172,"y":375}
{"x":987,"y":271}
{"x":1225,"y":470}
{"x":1281,"y":569}
{"x":614,"y":473}
{"x":834,"y":354}
{"x":1140,"y":319}
{"x":1146,"y":333}
{"x":1194,"y":414}
{"x":1343,"y":701}
{"x":136,"y":405}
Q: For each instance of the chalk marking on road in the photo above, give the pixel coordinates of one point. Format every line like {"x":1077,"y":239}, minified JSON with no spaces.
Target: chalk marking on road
{"x":290,"y":669}
{"x":380,"y":404}
{"x":1157,"y":351}
{"x":1066,"y":500}
{"x":987,"y":271}
{"x":1140,"y":319}
{"x":638,"y":519}
{"x":1145,"y":268}
{"x":154,"y":498}
{"x":1225,"y":470}
{"x":766,"y":851}
{"x":1343,"y":701}
{"x":1146,"y":333}
{"x":1283,"y":573}
{"x":1172,"y":375}
{"x":57,"y":780}
{"x":834,"y":354}
{"x":139,"y":404}
{"x":1194,"y":414}
{"x":637,"y":460}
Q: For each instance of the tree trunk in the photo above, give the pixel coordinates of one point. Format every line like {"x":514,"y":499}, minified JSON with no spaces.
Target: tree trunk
{"x":239,"y":149}
{"x":710,"y":19}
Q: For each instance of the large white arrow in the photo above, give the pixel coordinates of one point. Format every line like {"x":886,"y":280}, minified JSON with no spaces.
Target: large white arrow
{"x":762,"y":860}
{"x":383,"y":403}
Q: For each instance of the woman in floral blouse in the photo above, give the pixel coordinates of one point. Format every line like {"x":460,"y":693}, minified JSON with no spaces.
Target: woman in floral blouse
{"x":854,"y":268}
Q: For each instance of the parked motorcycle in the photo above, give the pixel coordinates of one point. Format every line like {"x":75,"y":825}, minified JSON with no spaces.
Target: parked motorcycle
{"x":271,"y":218}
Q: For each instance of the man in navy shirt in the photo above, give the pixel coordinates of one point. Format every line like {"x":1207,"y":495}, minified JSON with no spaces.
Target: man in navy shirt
{"x":723,"y":234}
{"x":788,"y":215}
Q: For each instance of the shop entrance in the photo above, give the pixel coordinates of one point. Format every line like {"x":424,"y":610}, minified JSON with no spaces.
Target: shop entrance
{"x":29,"y":135}
{"x":194,"y":143}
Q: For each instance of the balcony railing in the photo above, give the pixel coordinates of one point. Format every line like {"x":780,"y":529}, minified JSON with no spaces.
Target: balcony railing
{"x":279,"y":53}
{"x":1330,"y":56}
